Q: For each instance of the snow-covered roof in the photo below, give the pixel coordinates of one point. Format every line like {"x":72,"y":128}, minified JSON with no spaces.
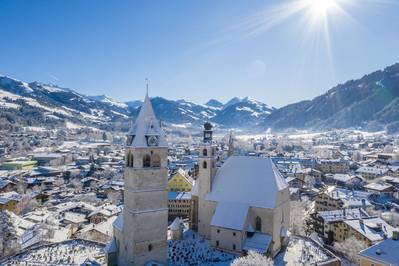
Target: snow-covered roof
{"x":373,"y":229}
{"x":371,"y":170}
{"x":118,"y":223}
{"x":146,"y":124}
{"x":385,"y":252}
{"x":342,"y":214}
{"x":258,"y":242}
{"x":175,"y":225}
{"x":254,"y":181}
{"x":378,"y":187}
{"x":230,"y":215}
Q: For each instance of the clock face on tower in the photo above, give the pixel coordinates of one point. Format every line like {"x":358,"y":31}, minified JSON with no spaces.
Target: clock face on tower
{"x":152,"y":141}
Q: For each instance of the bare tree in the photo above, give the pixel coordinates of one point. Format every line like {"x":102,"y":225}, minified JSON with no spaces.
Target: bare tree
{"x":8,"y":236}
{"x":252,"y":259}
{"x":299,"y":215}
{"x":77,"y":184}
{"x":350,"y":248}
{"x":28,"y":204}
{"x":114,"y":197}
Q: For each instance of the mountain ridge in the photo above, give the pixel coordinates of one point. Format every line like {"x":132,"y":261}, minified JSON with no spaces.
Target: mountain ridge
{"x":370,"y":102}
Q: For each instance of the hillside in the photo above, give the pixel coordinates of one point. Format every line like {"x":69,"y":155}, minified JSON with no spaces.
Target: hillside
{"x":369,"y":102}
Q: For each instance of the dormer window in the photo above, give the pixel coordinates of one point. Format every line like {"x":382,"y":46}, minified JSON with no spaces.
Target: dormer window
{"x":129,"y":140}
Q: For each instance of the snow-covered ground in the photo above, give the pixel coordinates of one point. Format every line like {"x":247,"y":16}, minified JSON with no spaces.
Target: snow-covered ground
{"x":73,"y":252}
{"x":195,"y":250}
{"x":301,"y":252}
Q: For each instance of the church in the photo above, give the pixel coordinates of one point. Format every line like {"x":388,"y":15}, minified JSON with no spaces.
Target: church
{"x":243,"y":205}
{"x":140,"y":231}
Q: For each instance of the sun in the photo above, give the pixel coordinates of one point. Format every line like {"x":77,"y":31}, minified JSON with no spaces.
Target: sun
{"x":321,"y":8}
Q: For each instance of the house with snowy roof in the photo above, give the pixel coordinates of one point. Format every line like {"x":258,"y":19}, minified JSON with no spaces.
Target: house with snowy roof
{"x":371,"y":172}
{"x":244,"y":204}
{"x":384,"y":253}
{"x":333,"y":198}
{"x":370,"y":230}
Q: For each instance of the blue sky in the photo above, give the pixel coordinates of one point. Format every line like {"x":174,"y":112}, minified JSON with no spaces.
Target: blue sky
{"x":196,"y":50}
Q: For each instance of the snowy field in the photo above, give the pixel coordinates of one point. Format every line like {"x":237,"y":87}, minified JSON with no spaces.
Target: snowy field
{"x":73,"y":252}
{"x":195,"y":250}
{"x":301,"y":252}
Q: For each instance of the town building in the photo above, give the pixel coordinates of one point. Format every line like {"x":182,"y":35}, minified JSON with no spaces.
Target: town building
{"x":384,"y":253}
{"x":368,"y":172}
{"x":332,"y":166}
{"x":370,"y":231}
{"x":333,"y":198}
{"x":329,"y":224}
{"x":180,"y":204}
{"x":180,"y":181}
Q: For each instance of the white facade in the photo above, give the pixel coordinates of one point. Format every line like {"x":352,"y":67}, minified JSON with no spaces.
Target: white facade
{"x":244,"y":205}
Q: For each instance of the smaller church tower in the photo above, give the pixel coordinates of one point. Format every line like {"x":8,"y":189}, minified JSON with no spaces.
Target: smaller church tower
{"x":207,"y":170}
{"x":231,"y":145}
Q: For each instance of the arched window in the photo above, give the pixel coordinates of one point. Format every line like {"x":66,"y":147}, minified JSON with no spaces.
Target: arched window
{"x":147,"y":161}
{"x":156,"y":160}
{"x":258,"y":223}
{"x":204,"y":165}
{"x":205,"y":152}
{"x":127,"y":159}
{"x":131,"y":160}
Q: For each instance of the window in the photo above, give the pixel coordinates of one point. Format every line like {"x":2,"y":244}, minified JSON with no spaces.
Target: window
{"x":156,"y":160}
{"x":258,"y":223}
{"x":234,"y":246}
{"x":204,"y":165}
{"x":234,"y":233}
{"x":127,"y":158}
{"x":218,"y":231}
{"x":205,"y":152}
{"x":149,"y":247}
{"x":146,"y":161}
{"x":131,"y":160}
{"x":217,"y":243}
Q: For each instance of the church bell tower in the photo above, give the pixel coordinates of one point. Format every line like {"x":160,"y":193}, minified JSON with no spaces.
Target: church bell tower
{"x":207,"y":170}
{"x":140,"y":233}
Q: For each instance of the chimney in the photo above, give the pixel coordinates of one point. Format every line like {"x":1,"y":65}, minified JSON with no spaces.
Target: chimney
{"x":395,"y":235}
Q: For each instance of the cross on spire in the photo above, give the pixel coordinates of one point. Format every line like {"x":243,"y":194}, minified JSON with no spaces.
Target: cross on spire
{"x":146,"y":86}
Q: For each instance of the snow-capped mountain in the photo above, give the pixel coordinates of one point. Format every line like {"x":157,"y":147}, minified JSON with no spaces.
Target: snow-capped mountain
{"x":371,"y":102}
{"x":237,"y":112}
{"x":38,"y":103}
{"x":214,"y":103}
{"x":108,"y":100}
{"x":245,"y":112}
